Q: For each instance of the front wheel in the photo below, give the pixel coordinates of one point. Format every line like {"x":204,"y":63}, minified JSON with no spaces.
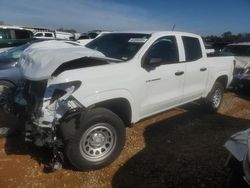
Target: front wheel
{"x":214,"y":99}
{"x":98,"y":142}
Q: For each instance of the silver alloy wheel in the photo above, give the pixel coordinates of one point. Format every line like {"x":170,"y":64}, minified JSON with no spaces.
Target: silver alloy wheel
{"x":98,"y":142}
{"x":217,"y":98}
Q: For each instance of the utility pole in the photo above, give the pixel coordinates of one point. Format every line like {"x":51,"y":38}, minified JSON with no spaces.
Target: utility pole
{"x":173,"y":27}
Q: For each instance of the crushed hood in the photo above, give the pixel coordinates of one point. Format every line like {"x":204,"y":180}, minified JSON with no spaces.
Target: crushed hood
{"x":40,"y":60}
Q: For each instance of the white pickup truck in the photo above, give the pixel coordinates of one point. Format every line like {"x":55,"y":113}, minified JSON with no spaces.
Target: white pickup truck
{"x":81,"y":99}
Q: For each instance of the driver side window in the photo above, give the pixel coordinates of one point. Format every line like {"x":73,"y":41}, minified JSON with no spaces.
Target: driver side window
{"x":164,"y":50}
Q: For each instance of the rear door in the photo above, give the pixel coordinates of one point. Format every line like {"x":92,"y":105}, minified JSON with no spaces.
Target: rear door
{"x":164,"y":82}
{"x":196,"y":69}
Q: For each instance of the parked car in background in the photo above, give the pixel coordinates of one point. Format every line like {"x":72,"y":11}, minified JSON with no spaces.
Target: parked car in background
{"x":54,"y":35}
{"x":83,"y":36}
{"x":241,"y":52}
{"x":88,"y":37}
{"x":10,"y":75}
{"x":11,"y":36}
{"x":209,"y":49}
{"x":64,"y":35}
{"x":9,"y":72}
{"x":44,"y":35}
{"x":80,"y":99}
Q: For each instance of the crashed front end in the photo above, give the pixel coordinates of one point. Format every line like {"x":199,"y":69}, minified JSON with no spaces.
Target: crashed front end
{"x":46,"y":104}
{"x":242,"y":78}
{"x":45,"y":98}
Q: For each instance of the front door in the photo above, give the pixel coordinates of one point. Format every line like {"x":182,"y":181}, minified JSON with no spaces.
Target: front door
{"x":164,"y":81}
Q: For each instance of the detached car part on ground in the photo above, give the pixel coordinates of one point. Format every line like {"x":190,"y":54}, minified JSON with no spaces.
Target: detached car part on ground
{"x":239,"y":159}
{"x":78,"y":100}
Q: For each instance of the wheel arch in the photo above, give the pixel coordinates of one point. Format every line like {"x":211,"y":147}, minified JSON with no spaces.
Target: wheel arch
{"x":120,"y":106}
{"x":223,"y":79}
{"x":8,"y":81}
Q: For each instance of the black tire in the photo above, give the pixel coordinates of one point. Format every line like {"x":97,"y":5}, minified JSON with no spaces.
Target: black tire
{"x":100,"y":124}
{"x":215,"y":97}
{"x":6,"y":91}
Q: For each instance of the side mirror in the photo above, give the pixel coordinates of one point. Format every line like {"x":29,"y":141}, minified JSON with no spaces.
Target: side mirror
{"x":153,"y":61}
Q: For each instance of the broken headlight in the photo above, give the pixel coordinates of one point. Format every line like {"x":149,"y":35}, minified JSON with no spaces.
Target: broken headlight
{"x":61,"y":91}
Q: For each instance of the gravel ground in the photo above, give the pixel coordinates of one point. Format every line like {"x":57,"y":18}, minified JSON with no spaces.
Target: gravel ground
{"x":179,"y":148}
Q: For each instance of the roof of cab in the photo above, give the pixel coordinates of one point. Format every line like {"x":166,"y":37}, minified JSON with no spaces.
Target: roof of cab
{"x":159,"y":33}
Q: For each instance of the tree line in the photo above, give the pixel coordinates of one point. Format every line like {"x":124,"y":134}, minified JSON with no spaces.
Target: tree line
{"x":228,"y":37}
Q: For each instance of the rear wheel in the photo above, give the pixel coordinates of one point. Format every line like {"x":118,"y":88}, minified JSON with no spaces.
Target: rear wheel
{"x":98,"y":142}
{"x":214,"y":99}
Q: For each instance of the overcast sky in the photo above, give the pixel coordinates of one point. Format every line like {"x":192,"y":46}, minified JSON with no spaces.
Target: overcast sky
{"x":198,"y":16}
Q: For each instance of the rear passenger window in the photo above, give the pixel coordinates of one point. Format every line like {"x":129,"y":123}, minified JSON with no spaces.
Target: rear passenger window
{"x":192,"y":48}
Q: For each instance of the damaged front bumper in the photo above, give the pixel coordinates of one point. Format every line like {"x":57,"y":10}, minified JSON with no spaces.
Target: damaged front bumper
{"x":45,"y":106}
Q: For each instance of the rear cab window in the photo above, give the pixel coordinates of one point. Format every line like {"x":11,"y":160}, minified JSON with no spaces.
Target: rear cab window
{"x":192,"y":48}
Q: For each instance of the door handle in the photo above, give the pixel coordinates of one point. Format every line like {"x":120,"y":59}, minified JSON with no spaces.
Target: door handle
{"x":203,"y":69}
{"x":178,"y":73}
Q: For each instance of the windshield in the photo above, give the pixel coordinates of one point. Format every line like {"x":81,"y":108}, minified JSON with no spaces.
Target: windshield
{"x":14,"y":53}
{"x":121,"y":46}
{"x":237,"y":50}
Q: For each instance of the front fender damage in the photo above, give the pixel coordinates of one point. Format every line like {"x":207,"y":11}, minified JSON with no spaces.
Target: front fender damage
{"x":46,"y":110}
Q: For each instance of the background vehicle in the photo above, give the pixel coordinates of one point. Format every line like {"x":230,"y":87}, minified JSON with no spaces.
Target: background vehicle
{"x":83,"y":36}
{"x":209,"y":49}
{"x":88,"y":37}
{"x":10,"y":75}
{"x":241,"y":51}
{"x":64,"y":35}
{"x":54,"y":35}
{"x":81,"y":99}
{"x":44,"y":35}
{"x":11,"y":36}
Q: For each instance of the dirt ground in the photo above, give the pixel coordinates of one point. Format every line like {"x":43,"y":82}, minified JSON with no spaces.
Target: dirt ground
{"x":179,"y":148}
